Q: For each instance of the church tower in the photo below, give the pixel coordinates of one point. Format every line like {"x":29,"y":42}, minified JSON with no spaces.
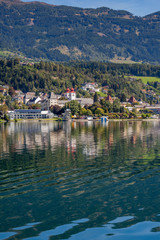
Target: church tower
{"x":72,"y":94}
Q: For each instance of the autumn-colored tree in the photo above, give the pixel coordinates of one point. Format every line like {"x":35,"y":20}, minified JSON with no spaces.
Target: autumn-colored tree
{"x":56,"y":109}
{"x":99,"y":111}
{"x":3,"y":110}
{"x":11,"y":91}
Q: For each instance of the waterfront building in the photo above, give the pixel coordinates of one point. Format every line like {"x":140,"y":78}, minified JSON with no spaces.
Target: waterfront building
{"x":29,"y":114}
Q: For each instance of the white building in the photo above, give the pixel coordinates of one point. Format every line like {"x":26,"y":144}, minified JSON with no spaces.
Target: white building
{"x":34,"y":100}
{"x":62,"y":103}
{"x":70,"y":94}
{"x":50,"y":101}
{"x":29,"y":114}
{"x":85,"y":101}
{"x":91,"y":86}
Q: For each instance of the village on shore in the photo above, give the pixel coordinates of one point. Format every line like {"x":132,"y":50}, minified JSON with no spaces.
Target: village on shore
{"x":14,"y":105}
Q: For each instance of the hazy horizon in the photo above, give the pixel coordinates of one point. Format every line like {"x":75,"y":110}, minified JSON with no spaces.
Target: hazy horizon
{"x":136,"y":7}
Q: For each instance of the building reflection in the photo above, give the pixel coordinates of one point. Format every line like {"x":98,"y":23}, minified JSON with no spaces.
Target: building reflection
{"x":94,"y":138}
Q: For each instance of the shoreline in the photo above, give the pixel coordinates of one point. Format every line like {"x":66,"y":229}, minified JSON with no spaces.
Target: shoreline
{"x":116,"y":120}
{"x":81,"y":120}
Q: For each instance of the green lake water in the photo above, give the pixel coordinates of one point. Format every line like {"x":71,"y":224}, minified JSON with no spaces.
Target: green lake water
{"x":80,"y":181}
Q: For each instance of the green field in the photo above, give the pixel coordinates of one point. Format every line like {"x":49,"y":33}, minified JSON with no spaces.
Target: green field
{"x":102,"y":94}
{"x":4,"y":54}
{"x":146,"y":79}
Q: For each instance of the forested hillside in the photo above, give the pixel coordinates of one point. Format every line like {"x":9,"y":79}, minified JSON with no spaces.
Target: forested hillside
{"x":50,"y":76}
{"x":63,"y":33}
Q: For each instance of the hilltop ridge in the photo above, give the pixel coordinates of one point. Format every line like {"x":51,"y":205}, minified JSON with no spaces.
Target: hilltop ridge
{"x":63,"y":33}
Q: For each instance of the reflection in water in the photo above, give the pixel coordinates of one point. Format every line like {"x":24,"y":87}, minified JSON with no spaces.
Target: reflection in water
{"x":86,"y":180}
{"x":15,"y":137}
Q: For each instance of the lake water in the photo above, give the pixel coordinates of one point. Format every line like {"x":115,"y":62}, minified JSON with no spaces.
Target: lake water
{"x":80,"y":181}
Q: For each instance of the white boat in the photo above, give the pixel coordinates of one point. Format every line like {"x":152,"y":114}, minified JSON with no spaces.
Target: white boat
{"x":89,"y":118}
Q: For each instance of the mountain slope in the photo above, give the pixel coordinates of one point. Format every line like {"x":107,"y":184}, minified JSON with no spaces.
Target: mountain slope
{"x":62,"y":33}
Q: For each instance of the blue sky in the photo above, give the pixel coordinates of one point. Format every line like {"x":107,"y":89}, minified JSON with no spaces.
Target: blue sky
{"x":137,"y":7}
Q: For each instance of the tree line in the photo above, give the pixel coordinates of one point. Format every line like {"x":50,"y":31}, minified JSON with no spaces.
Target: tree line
{"x":56,"y":77}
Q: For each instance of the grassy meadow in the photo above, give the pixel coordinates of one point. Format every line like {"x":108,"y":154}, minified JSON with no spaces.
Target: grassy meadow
{"x":146,"y":79}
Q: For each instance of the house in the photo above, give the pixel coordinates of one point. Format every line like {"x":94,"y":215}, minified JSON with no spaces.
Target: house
{"x":18,"y":92}
{"x":140,"y":101}
{"x":49,"y":101}
{"x":34,"y":100}
{"x":109,"y":98}
{"x":114,"y":98}
{"x":124,"y":104}
{"x":43,"y":95}
{"x":132,"y":100}
{"x":150,"y":92}
{"x":154,"y":108}
{"x":92,"y":91}
{"x":105,"y":90}
{"x":52,"y":99}
{"x":44,"y":104}
{"x":28,"y":96}
{"x":90,"y":86}
{"x":143,"y":90}
{"x":6,"y":87}
{"x":18,"y":98}
{"x":3,"y":91}
{"x":133,"y":79}
{"x":141,"y":106}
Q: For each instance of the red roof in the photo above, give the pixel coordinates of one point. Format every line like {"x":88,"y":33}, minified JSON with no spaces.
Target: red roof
{"x":132,"y":100}
{"x":109,"y":98}
{"x":72,"y":90}
{"x":68,"y":90}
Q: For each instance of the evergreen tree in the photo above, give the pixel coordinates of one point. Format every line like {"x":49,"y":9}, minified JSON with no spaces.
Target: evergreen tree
{"x":95,"y":97}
